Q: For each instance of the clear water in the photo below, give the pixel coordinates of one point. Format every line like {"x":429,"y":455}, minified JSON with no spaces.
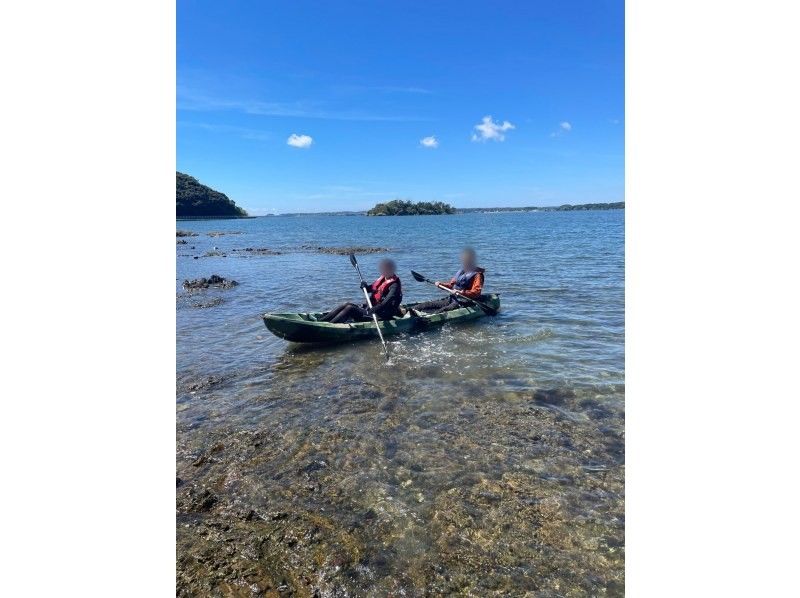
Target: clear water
{"x":485,"y":457}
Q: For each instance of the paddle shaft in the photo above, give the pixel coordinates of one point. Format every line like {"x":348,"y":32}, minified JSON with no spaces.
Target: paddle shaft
{"x":369,"y":304}
{"x":459,"y":294}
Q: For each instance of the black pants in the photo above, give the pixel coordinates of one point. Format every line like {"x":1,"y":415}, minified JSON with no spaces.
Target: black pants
{"x":346,"y":312}
{"x":438,"y":306}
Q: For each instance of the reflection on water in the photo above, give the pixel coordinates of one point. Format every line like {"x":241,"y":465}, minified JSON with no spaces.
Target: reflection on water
{"x":485,"y":458}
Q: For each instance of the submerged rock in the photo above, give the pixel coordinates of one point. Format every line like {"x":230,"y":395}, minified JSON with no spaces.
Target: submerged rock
{"x":213,"y":302}
{"x":196,"y":500}
{"x":214,"y":281}
{"x":185,"y":233}
{"x":203,"y":384}
{"x":489,"y":496}
{"x":552,"y":396}
{"x":258,"y":251}
{"x":356,"y":249}
{"x":223,"y":233}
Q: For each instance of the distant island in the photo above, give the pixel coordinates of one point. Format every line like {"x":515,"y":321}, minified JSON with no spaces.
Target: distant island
{"x":399,"y":207}
{"x":617,"y":205}
{"x":195,"y":200}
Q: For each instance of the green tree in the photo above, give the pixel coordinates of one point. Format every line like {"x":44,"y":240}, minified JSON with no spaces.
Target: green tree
{"x":193,"y":199}
{"x":402,"y":207}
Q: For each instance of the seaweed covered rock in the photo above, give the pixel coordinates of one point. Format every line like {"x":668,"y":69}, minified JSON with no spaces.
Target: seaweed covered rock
{"x":213,"y":281}
{"x":223,"y":233}
{"x":356,"y":249}
{"x":258,"y":251}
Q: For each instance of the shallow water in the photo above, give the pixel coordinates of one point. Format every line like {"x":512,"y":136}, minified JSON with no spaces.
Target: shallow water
{"x":485,"y":458}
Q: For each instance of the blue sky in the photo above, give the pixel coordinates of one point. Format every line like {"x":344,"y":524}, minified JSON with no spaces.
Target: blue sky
{"x":319,"y":106}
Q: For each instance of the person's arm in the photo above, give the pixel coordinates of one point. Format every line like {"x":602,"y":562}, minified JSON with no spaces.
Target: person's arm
{"x":474,"y":291}
{"x":367,"y":286}
{"x":449,"y":285}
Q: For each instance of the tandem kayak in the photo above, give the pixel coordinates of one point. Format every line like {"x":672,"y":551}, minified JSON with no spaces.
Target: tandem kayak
{"x":306,"y":327}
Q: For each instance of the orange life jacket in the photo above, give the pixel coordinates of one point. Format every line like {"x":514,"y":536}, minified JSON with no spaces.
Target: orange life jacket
{"x":379,"y":286}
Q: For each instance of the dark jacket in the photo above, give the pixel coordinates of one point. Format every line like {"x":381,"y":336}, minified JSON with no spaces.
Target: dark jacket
{"x":389,"y":305}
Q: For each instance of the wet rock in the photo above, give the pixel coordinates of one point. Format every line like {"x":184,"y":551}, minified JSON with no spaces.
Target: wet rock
{"x":596,"y":410}
{"x":207,"y":456}
{"x":196,"y":500}
{"x":356,"y":249}
{"x":553,"y":396}
{"x":213,"y":281}
{"x":215,"y":253}
{"x":181,"y":242}
{"x":203,"y":384}
{"x":185,"y":233}
{"x":481,"y":498}
{"x":223,"y":233}
{"x":301,"y":556}
{"x":257,"y":251}
{"x":314,"y":466}
{"x":212,"y":302}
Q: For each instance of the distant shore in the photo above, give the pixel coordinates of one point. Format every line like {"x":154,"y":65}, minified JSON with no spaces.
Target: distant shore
{"x":619,"y":205}
{"x":188,"y":218}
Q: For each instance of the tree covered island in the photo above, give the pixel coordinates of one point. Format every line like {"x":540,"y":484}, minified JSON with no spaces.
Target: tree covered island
{"x":400,"y":207}
{"x":195,"y":200}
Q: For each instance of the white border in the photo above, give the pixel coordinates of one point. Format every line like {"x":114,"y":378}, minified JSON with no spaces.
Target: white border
{"x":87,"y":434}
{"x":88,"y":411}
{"x":712,"y":297}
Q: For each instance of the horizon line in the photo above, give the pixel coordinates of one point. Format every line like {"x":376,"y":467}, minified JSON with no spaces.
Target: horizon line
{"x":505,"y":208}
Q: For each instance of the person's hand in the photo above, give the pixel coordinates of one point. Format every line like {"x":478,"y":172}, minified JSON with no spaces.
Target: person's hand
{"x":370,"y":311}
{"x":365,"y":286}
{"x":439,"y":283}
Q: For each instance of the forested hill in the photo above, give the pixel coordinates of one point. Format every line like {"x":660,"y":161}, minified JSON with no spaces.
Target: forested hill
{"x":399,"y":207}
{"x":194,"y":200}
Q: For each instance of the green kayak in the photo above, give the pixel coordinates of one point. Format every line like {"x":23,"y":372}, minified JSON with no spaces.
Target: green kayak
{"x":305,"y":327}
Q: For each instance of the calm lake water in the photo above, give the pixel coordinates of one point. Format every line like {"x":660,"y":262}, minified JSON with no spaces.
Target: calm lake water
{"x":485,"y":458}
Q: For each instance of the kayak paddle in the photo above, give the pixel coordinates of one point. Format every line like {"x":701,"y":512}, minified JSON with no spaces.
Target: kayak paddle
{"x":354,"y":261}
{"x":420,"y":278}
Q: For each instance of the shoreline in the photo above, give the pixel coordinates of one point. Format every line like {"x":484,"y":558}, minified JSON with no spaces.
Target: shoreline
{"x":189,"y":218}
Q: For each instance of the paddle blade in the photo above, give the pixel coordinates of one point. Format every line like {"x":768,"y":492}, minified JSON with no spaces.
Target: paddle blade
{"x":418,"y":277}
{"x":353,"y":260}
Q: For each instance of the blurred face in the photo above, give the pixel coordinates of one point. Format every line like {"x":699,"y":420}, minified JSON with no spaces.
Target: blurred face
{"x":386,"y":268}
{"x":467,"y":259}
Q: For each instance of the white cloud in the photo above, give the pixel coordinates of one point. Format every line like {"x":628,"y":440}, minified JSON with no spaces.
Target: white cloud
{"x":488,"y":129}
{"x":564,"y":127}
{"x":430,"y":142}
{"x":302,"y":141}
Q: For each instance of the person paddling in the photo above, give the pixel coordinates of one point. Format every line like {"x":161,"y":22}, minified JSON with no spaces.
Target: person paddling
{"x":469,"y":280}
{"x":386,"y":294}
